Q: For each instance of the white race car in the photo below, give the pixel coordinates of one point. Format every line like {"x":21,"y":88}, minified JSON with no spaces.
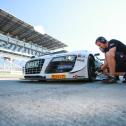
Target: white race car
{"x":77,"y":65}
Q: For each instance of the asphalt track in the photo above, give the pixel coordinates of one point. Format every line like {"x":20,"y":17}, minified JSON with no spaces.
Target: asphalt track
{"x":26,"y":103}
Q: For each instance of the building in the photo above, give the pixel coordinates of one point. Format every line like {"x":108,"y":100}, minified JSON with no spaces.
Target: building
{"x":19,"y":41}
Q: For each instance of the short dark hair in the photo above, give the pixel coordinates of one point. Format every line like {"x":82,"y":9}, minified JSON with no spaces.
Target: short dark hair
{"x":101,"y":39}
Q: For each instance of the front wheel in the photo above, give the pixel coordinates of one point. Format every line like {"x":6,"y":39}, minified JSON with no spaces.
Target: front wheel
{"x":91,"y":68}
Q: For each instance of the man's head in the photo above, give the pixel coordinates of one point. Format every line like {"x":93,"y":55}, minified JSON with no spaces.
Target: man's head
{"x":101,"y":42}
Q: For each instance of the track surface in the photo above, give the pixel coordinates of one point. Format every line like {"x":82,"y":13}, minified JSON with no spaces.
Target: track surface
{"x":25,"y":103}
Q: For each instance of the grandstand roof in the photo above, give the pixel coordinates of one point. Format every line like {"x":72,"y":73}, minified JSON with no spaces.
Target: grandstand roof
{"x":16,"y":27}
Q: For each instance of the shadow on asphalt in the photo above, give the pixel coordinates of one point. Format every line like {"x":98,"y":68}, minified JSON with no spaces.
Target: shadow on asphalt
{"x":56,"y":82}
{"x":66,"y":82}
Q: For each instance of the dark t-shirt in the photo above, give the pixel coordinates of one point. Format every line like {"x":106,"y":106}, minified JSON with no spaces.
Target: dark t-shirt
{"x":120,"y":55}
{"x":120,"y":47}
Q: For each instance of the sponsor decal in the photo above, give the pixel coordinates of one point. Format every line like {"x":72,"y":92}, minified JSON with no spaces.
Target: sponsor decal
{"x":80,"y":59}
{"x":112,"y":44}
{"x":32,"y":64}
{"x":75,"y":76}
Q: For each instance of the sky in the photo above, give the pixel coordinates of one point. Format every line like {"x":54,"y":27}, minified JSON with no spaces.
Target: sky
{"x":76,"y":23}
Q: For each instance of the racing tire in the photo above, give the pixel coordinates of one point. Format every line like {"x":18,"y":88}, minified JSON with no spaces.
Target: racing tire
{"x":91,"y":68}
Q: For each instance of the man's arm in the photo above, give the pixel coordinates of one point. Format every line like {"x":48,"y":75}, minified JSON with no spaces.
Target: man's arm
{"x":110,"y":52}
{"x":105,"y":65}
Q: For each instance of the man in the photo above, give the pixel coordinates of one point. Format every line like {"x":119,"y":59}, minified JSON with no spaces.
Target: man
{"x":115,"y":52}
{"x":106,"y":71}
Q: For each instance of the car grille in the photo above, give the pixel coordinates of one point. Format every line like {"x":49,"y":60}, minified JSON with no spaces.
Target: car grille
{"x":34,"y":66}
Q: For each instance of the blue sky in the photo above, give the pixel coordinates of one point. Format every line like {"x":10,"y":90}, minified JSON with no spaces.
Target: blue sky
{"x":75,"y":22}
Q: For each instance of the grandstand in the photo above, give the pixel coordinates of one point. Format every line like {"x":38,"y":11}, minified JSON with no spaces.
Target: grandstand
{"x":19,"y":41}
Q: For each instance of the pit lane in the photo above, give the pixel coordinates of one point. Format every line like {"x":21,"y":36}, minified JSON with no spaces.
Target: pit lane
{"x":30,"y":103}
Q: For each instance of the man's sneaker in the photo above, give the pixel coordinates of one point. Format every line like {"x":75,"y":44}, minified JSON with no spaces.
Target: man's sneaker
{"x":109,"y":80}
{"x":124,"y":79}
{"x":117,"y":77}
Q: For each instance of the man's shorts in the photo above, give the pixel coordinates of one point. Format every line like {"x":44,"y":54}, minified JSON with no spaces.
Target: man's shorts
{"x":120,"y":62}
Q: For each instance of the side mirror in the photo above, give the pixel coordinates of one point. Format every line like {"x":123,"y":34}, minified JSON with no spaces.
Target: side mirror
{"x":97,"y":54}
{"x":32,"y":57}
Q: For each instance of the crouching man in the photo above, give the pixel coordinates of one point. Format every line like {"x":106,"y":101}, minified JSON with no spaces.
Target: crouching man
{"x":115,"y":58}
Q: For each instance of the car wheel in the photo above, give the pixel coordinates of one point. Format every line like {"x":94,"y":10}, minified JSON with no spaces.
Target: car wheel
{"x":91,"y":68}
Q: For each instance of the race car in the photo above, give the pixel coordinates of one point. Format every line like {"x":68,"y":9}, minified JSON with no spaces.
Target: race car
{"x":76,"y":65}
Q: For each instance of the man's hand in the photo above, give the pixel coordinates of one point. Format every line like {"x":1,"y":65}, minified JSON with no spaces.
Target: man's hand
{"x":100,"y":69}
